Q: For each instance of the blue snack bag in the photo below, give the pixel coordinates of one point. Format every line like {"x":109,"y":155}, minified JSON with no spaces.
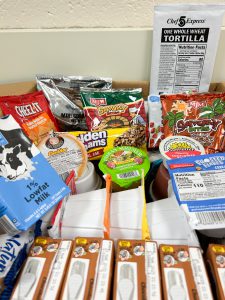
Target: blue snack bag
{"x":199,"y":186}
{"x":29,"y":186}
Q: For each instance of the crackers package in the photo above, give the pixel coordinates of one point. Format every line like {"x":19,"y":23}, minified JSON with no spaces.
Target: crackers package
{"x":32,"y":112}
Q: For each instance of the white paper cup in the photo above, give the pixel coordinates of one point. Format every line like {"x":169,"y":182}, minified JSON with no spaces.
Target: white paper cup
{"x":89,"y":181}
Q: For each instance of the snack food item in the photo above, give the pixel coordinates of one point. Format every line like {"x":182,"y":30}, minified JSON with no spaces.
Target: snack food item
{"x":29,"y":186}
{"x":90,"y":270}
{"x":215,"y":259}
{"x":179,"y":146}
{"x":113,"y":108}
{"x":64,"y":152}
{"x":199,"y":186}
{"x":156,"y":134}
{"x":125,"y":165}
{"x":32,"y":112}
{"x":36,"y":278}
{"x":183,"y":273}
{"x":185,"y":40}
{"x":199,"y":116}
{"x":98,"y":142}
{"x":63,"y":93}
{"x":137,"y":273}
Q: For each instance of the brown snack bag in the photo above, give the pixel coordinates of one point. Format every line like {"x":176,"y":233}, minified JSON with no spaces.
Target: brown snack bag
{"x":199,"y":116}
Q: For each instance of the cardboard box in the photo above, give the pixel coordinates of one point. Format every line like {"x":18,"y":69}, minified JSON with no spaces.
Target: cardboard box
{"x":137,"y":274}
{"x":183,"y":273}
{"x":30,"y":86}
{"x":215,"y":259}
{"x":40,"y":276}
{"x":90,"y":270}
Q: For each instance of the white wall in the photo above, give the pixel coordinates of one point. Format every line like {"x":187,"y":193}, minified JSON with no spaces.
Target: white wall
{"x":82,"y":37}
{"x":24,"y":14}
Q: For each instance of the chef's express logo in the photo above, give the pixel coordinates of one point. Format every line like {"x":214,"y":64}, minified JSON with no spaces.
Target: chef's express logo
{"x":183,"y":20}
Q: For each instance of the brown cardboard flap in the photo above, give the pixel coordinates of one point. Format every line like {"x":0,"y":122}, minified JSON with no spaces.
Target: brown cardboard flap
{"x":30,"y":86}
{"x":17,"y":88}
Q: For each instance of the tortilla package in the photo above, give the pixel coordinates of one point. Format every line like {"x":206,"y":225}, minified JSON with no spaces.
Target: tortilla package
{"x":113,"y":108}
{"x":199,"y":116}
{"x":63,"y":93}
{"x":32,"y":112}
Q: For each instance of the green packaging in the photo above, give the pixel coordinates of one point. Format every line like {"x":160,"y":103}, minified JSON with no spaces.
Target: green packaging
{"x":125,"y":165}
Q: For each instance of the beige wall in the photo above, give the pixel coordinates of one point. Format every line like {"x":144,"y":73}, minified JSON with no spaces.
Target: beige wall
{"x":41,"y":14}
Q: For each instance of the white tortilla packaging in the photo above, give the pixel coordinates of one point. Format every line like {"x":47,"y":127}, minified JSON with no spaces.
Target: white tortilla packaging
{"x":185,"y":40}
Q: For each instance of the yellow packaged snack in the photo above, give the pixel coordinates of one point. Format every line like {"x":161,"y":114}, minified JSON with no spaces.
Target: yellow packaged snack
{"x":98,"y":142}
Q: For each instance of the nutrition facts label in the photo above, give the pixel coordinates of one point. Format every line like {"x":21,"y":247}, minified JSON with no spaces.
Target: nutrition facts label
{"x":202,"y":185}
{"x":180,"y":67}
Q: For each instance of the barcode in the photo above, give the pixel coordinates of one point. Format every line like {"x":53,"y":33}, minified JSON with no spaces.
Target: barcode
{"x":128,"y":175}
{"x":212,"y":217}
{"x":7,"y":225}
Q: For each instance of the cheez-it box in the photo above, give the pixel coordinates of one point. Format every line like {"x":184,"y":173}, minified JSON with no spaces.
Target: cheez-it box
{"x":137,"y":274}
{"x":90,"y":268}
{"x":183,"y":273}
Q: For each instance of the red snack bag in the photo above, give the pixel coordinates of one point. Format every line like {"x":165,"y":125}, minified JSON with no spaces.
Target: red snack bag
{"x":32,"y":112}
{"x":199,"y":116}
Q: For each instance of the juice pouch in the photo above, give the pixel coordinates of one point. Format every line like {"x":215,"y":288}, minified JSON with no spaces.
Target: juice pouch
{"x":32,"y":112}
{"x":199,"y":116}
{"x":113,"y":108}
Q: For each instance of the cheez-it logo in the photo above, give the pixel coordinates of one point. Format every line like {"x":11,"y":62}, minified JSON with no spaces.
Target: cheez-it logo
{"x":98,"y":101}
{"x":28,"y":109}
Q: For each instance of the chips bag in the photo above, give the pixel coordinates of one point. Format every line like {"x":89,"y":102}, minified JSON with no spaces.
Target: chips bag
{"x":113,"y":108}
{"x":32,"y":112}
{"x":199,"y":116}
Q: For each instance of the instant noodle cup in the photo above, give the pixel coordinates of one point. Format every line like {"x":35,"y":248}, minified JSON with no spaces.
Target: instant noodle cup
{"x":171,"y":148}
{"x":125,"y":165}
{"x":179,"y":146}
{"x":89,"y":181}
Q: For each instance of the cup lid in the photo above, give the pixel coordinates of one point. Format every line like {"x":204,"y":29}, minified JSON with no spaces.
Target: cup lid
{"x":179,"y":146}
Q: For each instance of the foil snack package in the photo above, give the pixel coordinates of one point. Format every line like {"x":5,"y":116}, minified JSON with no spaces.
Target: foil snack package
{"x":29,"y":186}
{"x":185,"y":40}
{"x":113,"y":108}
{"x":199,"y":116}
{"x":63,"y":93}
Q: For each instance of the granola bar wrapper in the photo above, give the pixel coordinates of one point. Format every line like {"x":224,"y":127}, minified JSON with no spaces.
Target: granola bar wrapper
{"x":32,"y":112}
{"x":100,"y":141}
{"x":199,"y":116}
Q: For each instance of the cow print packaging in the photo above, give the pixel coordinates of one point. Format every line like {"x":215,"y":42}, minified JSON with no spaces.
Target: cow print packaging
{"x":29,"y":186}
